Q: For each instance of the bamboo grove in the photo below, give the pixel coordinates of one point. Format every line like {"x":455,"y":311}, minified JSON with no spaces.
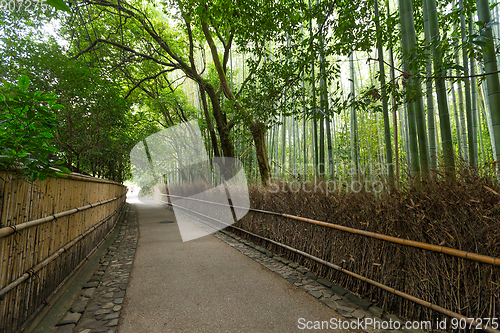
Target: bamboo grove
{"x":399,"y":90}
{"x":458,"y":71}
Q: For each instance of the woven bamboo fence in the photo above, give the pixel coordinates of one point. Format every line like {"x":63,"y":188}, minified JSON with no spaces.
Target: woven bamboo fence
{"x":47,"y":229}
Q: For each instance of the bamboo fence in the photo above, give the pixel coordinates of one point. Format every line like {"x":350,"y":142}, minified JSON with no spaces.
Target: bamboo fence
{"x":47,"y":229}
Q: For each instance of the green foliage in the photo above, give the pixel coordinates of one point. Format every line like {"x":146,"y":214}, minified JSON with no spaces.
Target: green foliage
{"x":94,"y":133}
{"x":27,"y":124}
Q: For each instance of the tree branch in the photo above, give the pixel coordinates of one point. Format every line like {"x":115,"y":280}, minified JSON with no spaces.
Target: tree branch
{"x":146,"y":79}
{"x":123,"y":47}
{"x":227,"y":49}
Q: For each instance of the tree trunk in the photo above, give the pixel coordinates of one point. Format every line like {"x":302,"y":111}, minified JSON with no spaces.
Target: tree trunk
{"x":474,"y":108}
{"x":472,"y":144}
{"x":283,"y":146}
{"x":394,"y":105}
{"x":490,"y":64}
{"x":416,"y":91}
{"x":210,"y":126}
{"x":444,"y":116}
{"x":314,"y":120}
{"x":385,"y":108}
{"x":410,"y":111}
{"x":458,"y":128}
{"x":487,"y":112}
{"x":324,"y":114}
{"x":430,"y":100}
{"x":258,"y":131}
{"x":293,"y":145}
{"x":461,"y":110}
{"x":304,"y":134}
{"x":220,"y":120}
{"x":330,"y":149}
{"x":354,"y":121}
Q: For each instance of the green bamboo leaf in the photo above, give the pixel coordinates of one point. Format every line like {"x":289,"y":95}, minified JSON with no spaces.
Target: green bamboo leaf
{"x":58,"y":4}
{"x":57,"y":107}
{"x":65,"y":170}
{"x":481,"y":41}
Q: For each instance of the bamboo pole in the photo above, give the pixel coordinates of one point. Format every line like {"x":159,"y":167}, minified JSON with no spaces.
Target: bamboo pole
{"x":4,"y":232}
{"x":430,"y":100}
{"x":442,"y":99}
{"x":385,"y":107}
{"x":490,"y":64}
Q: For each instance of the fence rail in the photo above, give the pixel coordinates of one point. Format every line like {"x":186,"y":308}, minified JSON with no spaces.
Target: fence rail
{"x":46,"y":229}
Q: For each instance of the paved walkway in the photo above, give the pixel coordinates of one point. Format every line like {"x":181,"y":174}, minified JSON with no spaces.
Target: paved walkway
{"x":218,"y":283}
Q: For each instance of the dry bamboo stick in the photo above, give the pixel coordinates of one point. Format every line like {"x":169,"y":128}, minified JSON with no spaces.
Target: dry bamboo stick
{"x":425,"y":246}
{"x":414,"y":299}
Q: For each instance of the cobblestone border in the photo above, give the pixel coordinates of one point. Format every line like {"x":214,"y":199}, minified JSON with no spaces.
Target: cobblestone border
{"x":339,"y":299}
{"x":99,"y":306}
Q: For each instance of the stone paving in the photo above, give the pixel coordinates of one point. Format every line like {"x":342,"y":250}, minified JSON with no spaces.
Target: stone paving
{"x":99,"y":306}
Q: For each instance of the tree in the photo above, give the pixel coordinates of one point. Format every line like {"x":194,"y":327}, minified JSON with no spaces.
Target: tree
{"x":385,"y":108}
{"x":491,"y":68}
{"x":405,"y":31}
{"x":468,"y":102}
{"x":439,"y":70}
{"x":92,"y":135}
{"x":414,"y":87}
{"x":27,"y":123}
{"x":430,"y":99}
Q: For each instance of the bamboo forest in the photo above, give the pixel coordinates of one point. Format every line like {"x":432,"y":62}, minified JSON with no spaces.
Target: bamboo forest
{"x":367,"y":133}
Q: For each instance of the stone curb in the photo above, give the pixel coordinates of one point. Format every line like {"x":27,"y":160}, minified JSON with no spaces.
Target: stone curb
{"x":99,"y":306}
{"x":336,"y":297}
